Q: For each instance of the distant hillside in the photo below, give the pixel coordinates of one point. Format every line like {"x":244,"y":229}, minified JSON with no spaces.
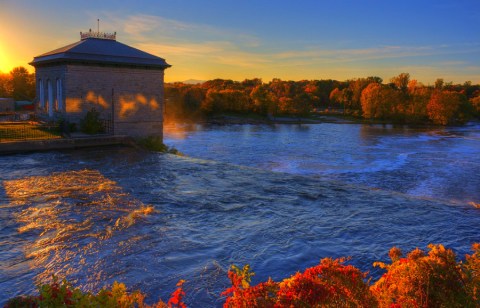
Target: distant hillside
{"x":193,"y":81}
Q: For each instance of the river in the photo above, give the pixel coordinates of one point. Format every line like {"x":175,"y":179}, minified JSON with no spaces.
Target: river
{"x":277,"y":197}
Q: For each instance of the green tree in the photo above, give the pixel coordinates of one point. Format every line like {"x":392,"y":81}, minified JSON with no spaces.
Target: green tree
{"x":23,"y":84}
{"x":5,"y":85}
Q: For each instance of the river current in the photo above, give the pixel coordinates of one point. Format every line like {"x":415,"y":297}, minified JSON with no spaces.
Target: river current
{"x":277,"y":197}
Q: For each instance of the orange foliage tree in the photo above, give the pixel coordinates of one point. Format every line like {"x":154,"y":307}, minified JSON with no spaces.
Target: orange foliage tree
{"x":448,"y":107}
{"x":428,"y":280}
{"x":475,"y":101}
{"x":381,"y":102}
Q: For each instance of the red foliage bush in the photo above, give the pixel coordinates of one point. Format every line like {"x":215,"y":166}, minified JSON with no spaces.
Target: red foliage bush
{"x":331,"y":283}
{"x":433,"y":279}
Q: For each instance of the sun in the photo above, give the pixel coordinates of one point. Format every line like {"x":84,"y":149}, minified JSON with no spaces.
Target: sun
{"x":5,"y":65}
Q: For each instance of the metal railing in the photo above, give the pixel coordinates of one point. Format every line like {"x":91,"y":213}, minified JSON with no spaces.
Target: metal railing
{"x":107,"y":126}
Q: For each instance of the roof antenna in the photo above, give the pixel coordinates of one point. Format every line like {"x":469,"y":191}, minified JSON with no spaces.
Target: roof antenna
{"x":98,"y":25}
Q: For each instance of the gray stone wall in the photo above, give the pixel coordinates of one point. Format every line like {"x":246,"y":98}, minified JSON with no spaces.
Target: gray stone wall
{"x":132,"y":97}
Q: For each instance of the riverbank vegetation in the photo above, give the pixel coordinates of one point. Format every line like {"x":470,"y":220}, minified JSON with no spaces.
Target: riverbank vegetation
{"x":418,"y":279}
{"x":156,"y":144}
{"x":401,"y":100}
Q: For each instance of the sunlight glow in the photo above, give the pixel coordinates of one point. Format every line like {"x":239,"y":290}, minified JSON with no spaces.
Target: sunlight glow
{"x":67,"y":208}
{"x":5,"y":65}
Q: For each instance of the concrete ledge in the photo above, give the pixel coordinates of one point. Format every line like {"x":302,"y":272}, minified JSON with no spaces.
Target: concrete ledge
{"x":63,"y":144}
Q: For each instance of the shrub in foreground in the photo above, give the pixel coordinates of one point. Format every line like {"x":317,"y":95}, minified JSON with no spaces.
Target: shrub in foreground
{"x":428,"y":280}
{"x":156,"y":144}
{"x":328,"y":284}
{"x":91,"y":123}
{"x":63,"y":294}
{"x":433,"y":279}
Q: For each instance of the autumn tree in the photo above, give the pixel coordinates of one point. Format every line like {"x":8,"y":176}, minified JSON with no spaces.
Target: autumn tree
{"x":401,"y":82}
{"x":382,"y":102}
{"x":371,"y":100}
{"x":249,"y":84}
{"x":225,"y":101}
{"x":448,"y":107}
{"x":439,"y":83}
{"x":183,"y":101}
{"x":402,"y":100}
{"x":475,"y":101}
{"x":301,"y":105}
{"x":336,"y":96}
{"x":356,"y":87}
{"x":416,"y":109}
{"x":310,"y":92}
{"x":221,"y":84}
{"x":263,"y":100}
{"x":323,"y":90}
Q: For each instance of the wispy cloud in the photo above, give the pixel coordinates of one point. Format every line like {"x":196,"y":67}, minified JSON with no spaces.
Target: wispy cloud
{"x":140,"y":25}
{"x":232,"y":51}
{"x":219,"y":52}
{"x":143,"y":27}
{"x":348,"y":55}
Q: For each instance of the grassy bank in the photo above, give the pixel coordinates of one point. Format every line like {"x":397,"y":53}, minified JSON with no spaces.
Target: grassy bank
{"x":27,"y":131}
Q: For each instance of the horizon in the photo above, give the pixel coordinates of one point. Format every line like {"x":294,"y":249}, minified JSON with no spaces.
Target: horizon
{"x":237,"y":41}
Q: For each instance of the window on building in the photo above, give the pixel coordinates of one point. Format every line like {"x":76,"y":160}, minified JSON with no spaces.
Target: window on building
{"x":41,"y":91}
{"x":59,"y":105}
{"x":50,"y":98}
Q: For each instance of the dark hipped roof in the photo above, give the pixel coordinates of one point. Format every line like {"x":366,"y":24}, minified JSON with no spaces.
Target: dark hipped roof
{"x":100,"y":51}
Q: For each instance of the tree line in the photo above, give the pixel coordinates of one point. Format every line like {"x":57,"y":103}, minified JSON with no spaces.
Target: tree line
{"x":18,"y":84}
{"x":401,"y":100}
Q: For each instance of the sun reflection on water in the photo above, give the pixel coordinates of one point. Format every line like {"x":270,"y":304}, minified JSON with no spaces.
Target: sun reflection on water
{"x":69,"y":215}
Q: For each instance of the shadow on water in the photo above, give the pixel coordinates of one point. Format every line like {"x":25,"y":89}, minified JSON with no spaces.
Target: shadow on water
{"x":148,"y":220}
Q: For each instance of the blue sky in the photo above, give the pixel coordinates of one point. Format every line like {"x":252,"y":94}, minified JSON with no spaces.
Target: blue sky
{"x":291,"y":40}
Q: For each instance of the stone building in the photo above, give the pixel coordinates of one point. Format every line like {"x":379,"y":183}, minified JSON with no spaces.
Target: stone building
{"x":125,"y":85}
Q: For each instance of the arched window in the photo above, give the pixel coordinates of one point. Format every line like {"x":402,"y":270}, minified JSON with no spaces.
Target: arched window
{"x":41,"y":90}
{"x":59,"y":105}
{"x":50,"y":98}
